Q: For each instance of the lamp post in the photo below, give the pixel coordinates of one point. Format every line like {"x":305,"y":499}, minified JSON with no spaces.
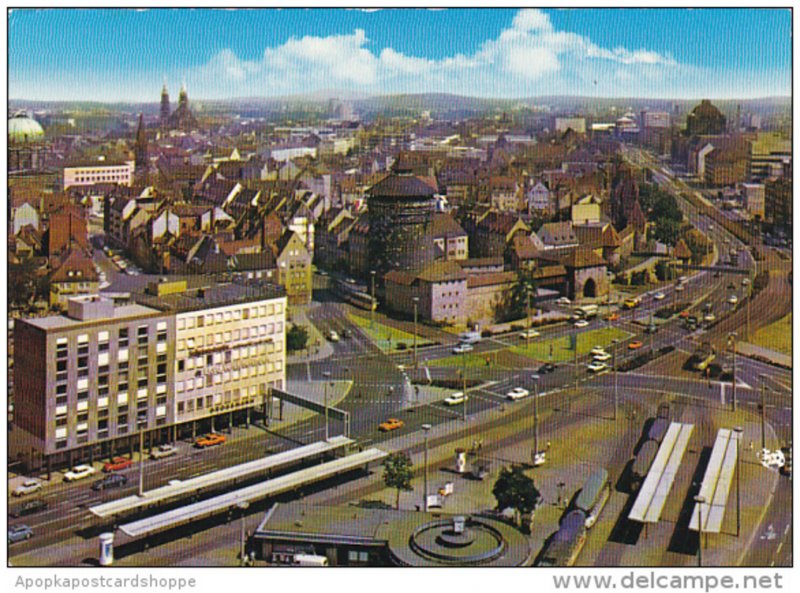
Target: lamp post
{"x":700,"y":500}
{"x":326,"y":375}
{"x":464,"y":382}
{"x":763,"y":414}
{"x":535,"y":418}
{"x":141,"y":459}
{"x":732,"y":344}
{"x":242,"y":506}
{"x":416,"y":305}
{"x":372,"y":304}
{"x":528,"y":295}
{"x":426,"y":428}
{"x":738,"y":430}
{"x":614,"y":344}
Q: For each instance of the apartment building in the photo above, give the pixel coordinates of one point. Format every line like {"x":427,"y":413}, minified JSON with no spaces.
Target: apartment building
{"x":98,"y":172}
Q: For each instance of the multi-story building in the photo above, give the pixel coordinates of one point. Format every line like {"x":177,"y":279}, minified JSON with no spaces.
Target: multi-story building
{"x":753,"y":199}
{"x":576,"y":124}
{"x":82,"y":174}
{"x":778,"y":204}
{"x":168,"y":362}
{"x":87,"y":380}
{"x":768,"y":152}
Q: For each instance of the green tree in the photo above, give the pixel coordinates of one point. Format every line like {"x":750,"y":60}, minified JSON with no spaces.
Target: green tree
{"x":667,"y":231}
{"x":296,"y":338}
{"x":397,"y":473}
{"x":513,"y":489}
{"x":662,"y":270}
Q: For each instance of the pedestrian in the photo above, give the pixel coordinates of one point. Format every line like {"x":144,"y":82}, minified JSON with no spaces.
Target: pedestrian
{"x":548,"y":445}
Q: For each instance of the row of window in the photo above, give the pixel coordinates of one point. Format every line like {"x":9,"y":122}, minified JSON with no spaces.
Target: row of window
{"x":227,"y":337}
{"x":227,"y":377}
{"x":210,"y":319}
{"x":237,"y":397}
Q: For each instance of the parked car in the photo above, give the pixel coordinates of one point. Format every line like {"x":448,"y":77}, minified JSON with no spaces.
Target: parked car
{"x":528,"y":334}
{"x":18,"y":533}
{"x":110,"y":481}
{"x":117,"y":464}
{"x":28,"y":508}
{"x":733,"y":299}
{"x":210,"y":440}
{"x":390,"y":424}
{"x":459,"y":397}
{"x":581,"y":323}
{"x":635,"y":345}
{"x":602,"y":357}
{"x":163,"y":451}
{"x":333,"y":336}
{"x":462,"y":349}
{"x":517,"y":393}
{"x":659,"y":296}
{"x":27,"y":487}
{"x":548,"y":367}
{"x":597,"y":350}
{"x":709,"y":317}
{"x":596,"y":366}
{"x":563,"y":301}
{"x":79,"y":472}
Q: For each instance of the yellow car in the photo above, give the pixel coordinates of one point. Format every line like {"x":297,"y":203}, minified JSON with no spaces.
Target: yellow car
{"x":390,"y":424}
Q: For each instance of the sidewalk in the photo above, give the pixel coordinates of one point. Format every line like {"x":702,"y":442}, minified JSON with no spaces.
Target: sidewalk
{"x":318,"y":347}
{"x":765,"y":354}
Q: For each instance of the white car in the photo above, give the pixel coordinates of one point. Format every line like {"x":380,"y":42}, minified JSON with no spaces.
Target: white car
{"x":27,"y":487}
{"x":517,"y":393}
{"x":710,"y":317}
{"x":333,"y":336}
{"x":456,"y":398}
{"x":539,"y":458}
{"x":528,"y":334}
{"x":596,"y":366}
{"x":745,"y":281}
{"x":79,"y":472}
{"x":163,"y":451}
{"x":463,"y":349}
{"x":581,"y":323}
{"x":733,"y":299}
{"x":602,"y":357}
{"x":659,"y":296}
{"x":597,"y":350}
{"x":563,"y":301}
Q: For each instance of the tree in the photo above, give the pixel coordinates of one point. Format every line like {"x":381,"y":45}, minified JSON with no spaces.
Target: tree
{"x":397,"y":473}
{"x":296,"y":337}
{"x":667,"y":231}
{"x":513,"y":489}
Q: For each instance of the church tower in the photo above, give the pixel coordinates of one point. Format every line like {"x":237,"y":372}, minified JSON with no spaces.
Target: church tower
{"x":164,"y":114}
{"x":140,"y":153}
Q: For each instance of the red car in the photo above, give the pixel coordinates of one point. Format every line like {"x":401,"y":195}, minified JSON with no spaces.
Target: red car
{"x":117,"y":463}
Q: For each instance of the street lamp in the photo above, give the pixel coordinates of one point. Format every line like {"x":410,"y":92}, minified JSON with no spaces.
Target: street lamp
{"x":763,"y":413}
{"x":700,"y":500}
{"x":464,"y":381}
{"x":426,"y":428}
{"x":416,"y":304}
{"x":372,"y":303}
{"x":535,"y":419}
{"x":614,"y":344}
{"x":732,"y":344}
{"x":528,"y":294}
{"x":738,"y":430}
{"x":242,"y":506}
{"x":326,"y":375}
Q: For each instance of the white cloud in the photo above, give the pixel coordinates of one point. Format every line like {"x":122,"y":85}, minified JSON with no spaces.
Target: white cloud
{"x":528,"y":58}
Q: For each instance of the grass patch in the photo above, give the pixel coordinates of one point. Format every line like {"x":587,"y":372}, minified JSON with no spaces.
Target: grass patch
{"x":470,"y":360}
{"x":776,"y":336}
{"x":561,"y":347}
{"x":386,"y":337}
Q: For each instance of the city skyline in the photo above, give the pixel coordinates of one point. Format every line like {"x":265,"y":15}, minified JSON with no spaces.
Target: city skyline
{"x":512,"y":54}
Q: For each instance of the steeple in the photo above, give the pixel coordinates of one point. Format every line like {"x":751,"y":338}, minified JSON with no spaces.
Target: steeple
{"x":140,"y":151}
{"x":183,"y":96}
{"x":164,"y":114}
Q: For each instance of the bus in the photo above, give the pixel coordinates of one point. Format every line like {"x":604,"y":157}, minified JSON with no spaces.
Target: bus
{"x":585,"y":312}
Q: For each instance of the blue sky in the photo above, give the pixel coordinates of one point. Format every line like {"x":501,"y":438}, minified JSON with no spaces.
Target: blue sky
{"x":113,"y":55}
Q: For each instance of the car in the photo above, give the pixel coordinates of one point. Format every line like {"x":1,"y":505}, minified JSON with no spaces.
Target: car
{"x":212,"y":439}
{"x":27,"y":487}
{"x":717,"y":274}
{"x":635,"y":345}
{"x":597,"y":350}
{"x":731,"y":286}
{"x":612,"y":317}
{"x":517,"y":393}
{"x":602,"y":357}
{"x":528,"y":334}
{"x":596,"y":366}
{"x":683,"y":280}
{"x":110,"y":481}
{"x":679,"y":288}
{"x":563,"y":301}
{"x":546,"y":368}
{"x":347,"y":334}
{"x":18,"y":533}
{"x":456,"y":398}
{"x":709,"y":317}
{"x":733,"y":299}
{"x":333,"y":336}
{"x":539,"y":458}
{"x":684,"y":314}
{"x":163,"y":451}
{"x":631,"y":303}
{"x":79,"y":472}
{"x":581,"y":323}
{"x":28,"y":508}
{"x":659,"y":296}
{"x":462,"y":349}
{"x":745,"y":281}
{"x":116,"y":464}
{"x":390,"y":425}
{"x":322,"y":272}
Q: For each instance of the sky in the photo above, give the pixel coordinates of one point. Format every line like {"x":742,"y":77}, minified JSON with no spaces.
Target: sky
{"x":127,"y":55}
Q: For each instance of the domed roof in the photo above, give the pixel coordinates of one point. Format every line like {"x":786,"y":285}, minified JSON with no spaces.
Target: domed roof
{"x":23,"y":129}
{"x":706,"y":109}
